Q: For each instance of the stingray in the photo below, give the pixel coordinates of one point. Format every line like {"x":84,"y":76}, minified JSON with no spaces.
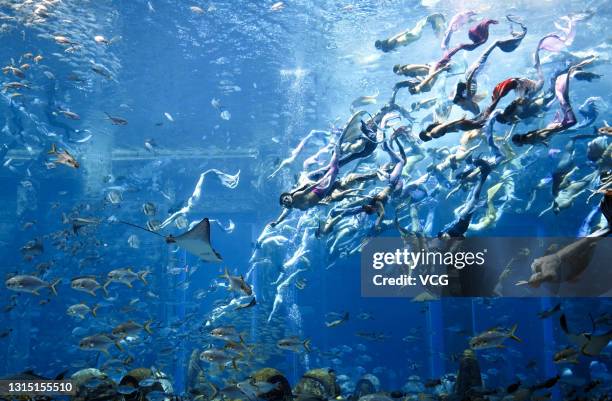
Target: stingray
{"x":195,"y":241}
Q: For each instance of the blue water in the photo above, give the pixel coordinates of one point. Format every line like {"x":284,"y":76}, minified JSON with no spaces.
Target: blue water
{"x":235,"y":86}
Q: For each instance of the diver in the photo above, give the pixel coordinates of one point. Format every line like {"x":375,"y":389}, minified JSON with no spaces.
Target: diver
{"x":320,"y":184}
{"x":310,"y":194}
{"x":411,"y":35}
{"x":478,"y":34}
{"x":375,"y":203}
{"x":564,"y":119}
{"x":459,"y":226}
{"x":465,"y":92}
{"x":524,"y":108}
{"x":439,"y":129}
{"x":365,"y":146}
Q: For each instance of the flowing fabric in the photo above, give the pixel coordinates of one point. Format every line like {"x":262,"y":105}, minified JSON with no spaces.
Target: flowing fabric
{"x":565,"y":115}
{"x":227,"y":180}
{"x":466,"y":91}
{"x":478,"y":34}
{"x":454,"y":25}
{"x":297,"y":150}
{"x":560,"y":41}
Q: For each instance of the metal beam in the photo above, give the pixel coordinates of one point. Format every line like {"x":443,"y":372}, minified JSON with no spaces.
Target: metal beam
{"x":127,"y":154}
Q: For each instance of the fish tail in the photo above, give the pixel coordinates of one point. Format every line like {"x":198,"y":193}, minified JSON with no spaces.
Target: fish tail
{"x":53,"y":284}
{"x":225,"y":273}
{"x":307,"y":345}
{"x":94,"y":310}
{"x":147,"y":327}
{"x":143,"y":276}
{"x":53,"y":150}
{"x":119,"y":347}
{"x":105,"y":286}
{"x":512,"y":334}
{"x":105,"y":291}
{"x":214,"y":389}
{"x":234,"y":364}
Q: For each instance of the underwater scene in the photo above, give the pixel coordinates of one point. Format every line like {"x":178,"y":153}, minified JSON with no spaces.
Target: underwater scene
{"x":305,"y":200}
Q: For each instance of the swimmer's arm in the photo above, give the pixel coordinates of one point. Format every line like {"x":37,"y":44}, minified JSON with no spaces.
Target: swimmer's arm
{"x":282,"y":217}
{"x":430,"y":78}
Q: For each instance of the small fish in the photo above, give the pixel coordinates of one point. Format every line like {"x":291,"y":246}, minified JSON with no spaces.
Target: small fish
{"x":294,"y":343}
{"x":87,"y":284}
{"x":114,"y":197}
{"x":14,"y":85}
{"x":133,"y":241}
{"x":116,"y":120}
{"x":126,"y":277}
{"x":169,"y":117}
{"x":150,"y":145}
{"x":337,"y":322}
{"x":79,"y":222}
{"x":14,"y":70}
{"x":605,"y":130}
{"x":236,"y":283}
{"x":98,"y":342}
{"x":566,"y":355}
{"x":63,"y":157}
{"x":372,"y":336}
{"x":131,"y":329}
{"x":225,"y":115}
{"x":80,"y":310}
{"x":101,"y":70}
{"x":364,"y":101}
{"x":32,"y":249}
{"x":218,"y":356}
{"x":101,"y":39}
{"x":279,"y":5}
{"x":493,"y":338}
{"x":250,"y":304}
{"x":63,"y":40}
{"x":149,"y":209}
{"x":69,"y":114}
{"x":196,"y":10}
{"x":30,"y":284}
{"x":153,"y":225}
{"x":227,"y":333}
{"x":85,"y":139}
